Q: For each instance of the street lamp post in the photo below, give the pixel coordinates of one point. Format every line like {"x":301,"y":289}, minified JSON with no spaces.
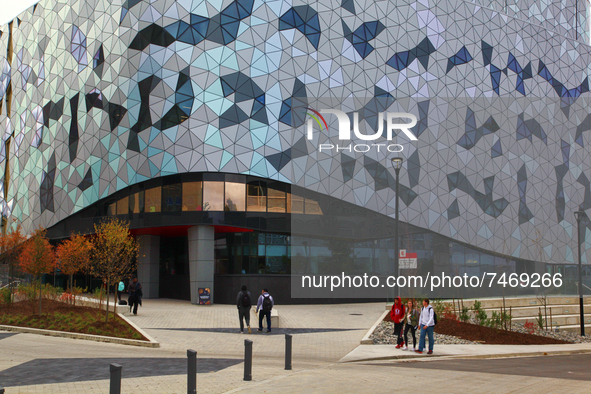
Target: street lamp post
{"x":580,"y":215}
{"x":397,"y":163}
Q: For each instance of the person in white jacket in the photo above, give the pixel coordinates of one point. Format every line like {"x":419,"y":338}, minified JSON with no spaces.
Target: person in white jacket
{"x":427,"y":325}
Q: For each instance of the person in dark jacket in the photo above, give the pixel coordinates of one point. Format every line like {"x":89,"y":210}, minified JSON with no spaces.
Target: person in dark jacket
{"x":397,"y":316}
{"x":135,"y":295}
{"x":243,"y":303}
{"x":265,"y":303}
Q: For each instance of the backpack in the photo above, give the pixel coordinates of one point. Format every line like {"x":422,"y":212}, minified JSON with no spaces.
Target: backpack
{"x":434,"y":316}
{"x":246,"y":299}
{"x":267,"y":304}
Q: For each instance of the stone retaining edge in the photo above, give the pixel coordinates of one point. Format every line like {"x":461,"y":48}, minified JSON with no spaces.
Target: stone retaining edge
{"x":366,"y":339}
{"x":98,"y":338}
{"x":145,"y":334}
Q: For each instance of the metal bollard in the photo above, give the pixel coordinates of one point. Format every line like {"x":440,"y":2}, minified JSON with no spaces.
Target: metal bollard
{"x":1,"y":390}
{"x":288,"y":352}
{"x":115,"y":379}
{"x":247,"y":360}
{"x":191,"y":371}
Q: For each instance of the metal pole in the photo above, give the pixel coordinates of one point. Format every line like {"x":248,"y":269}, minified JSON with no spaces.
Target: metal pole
{"x":247,"y":360}
{"x":115,"y":379}
{"x":191,"y":372}
{"x":1,"y":390}
{"x":581,"y":306}
{"x":396,"y":247}
{"x":288,"y":352}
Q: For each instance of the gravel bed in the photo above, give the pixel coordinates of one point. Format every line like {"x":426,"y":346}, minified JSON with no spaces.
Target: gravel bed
{"x":384,"y":335}
{"x":564,"y":335}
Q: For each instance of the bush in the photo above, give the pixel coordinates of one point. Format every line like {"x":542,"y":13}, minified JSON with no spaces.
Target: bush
{"x":464,"y":314}
{"x":480,"y":313}
{"x":5,"y":297}
{"x":540,"y":321}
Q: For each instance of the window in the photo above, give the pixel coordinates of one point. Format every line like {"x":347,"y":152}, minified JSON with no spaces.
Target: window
{"x":256,"y":197}
{"x":213,"y":196}
{"x":112,"y":209}
{"x":172,"y":197}
{"x":295,"y":203}
{"x":276,"y":201}
{"x":153,"y":199}
{"x":123,"y":206}
{"x":312,"y":207}
{"x":235,"y":196}
{"x":192,"y":196}
{"x":136,"y":202}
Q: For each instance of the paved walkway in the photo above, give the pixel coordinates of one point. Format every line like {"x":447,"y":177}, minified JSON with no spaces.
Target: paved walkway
{"x":322,"y":335}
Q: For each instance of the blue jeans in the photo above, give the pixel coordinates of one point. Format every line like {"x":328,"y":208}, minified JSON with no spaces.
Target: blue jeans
{"x":429,"y":332}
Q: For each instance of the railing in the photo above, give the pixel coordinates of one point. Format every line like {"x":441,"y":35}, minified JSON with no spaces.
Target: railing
{"x":16,"y":282}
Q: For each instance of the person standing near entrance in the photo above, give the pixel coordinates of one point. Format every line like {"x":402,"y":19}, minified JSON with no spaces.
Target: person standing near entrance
{"x":135,"y":295}
{"x":397,"y":316}
{"x":265,"y":305}
{"x":120,"y":290}
{"x":243,"y":303}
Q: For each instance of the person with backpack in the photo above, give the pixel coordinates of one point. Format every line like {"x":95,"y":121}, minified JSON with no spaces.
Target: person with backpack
{"x":243,"y":303}
{"x":412,"y":321}
{"x":265,"y":305}
{"x":427,"y":322}
{"x":120,"y":290}
{"x":397,"y":316}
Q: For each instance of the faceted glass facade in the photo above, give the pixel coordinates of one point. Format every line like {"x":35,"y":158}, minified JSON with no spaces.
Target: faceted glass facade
{"x":97,"y":96}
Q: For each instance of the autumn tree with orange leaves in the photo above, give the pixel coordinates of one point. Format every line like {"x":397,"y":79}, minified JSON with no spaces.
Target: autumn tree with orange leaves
{"x":37,"y":257}
{"x":10,"y":244}
{"x":115,"y":253}
{"x":74,"y":255}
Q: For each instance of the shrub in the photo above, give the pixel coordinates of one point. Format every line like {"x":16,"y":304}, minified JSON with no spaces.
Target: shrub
{"x":464,"y":314}
{"x":5,"y":296}
{"x":480,"y":313}
{"x":529,"y":327}
{"x":540,"y":320}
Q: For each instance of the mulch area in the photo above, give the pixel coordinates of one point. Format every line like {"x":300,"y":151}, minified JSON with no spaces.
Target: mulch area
{"x":491,"y":336}
{"x":60,"y":316}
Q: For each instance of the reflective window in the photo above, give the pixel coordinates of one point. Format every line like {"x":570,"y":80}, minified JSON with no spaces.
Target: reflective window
{"x":213,"y":196}
{"x":153,"y":199}
{"x":235,"y":194}
{"x":172,"y":197}
{"x":123,"y":206}
{"x":312,"y":207}
{"x":192,"y":197}
{"x":276,"y":201}
{"x":256,"y":197}
{"x":295,"y":203}
{"x":112,"y":209}
{"x":136,"y":202}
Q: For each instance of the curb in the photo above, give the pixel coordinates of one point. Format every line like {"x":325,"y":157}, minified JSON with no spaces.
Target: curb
{"x":440,"y":357}
{"x":366,"y":339}
{"x":154,"y":342}
{"x":151,"y":343}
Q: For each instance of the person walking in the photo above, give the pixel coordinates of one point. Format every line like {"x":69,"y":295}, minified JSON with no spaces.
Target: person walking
{"x":243,"y":303}
{"x":265,"y":305}
{"x":397,"y":316}
{"x":427,"y":324}
{"x":120,"y":290}
{"x":411,"y":322}
{"x":135,"y":295}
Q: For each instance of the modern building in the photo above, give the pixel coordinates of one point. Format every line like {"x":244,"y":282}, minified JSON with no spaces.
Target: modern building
{"x":189,"y":119}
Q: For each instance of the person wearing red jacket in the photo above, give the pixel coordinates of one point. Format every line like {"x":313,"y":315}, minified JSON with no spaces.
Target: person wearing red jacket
{"x":397,"y":316}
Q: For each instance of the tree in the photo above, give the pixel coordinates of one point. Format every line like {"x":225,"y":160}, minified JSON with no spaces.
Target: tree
{"x":114,"y":254}
{"x":10,"y":243}
{"x":37,"y":257}
{"x":74,"y":255}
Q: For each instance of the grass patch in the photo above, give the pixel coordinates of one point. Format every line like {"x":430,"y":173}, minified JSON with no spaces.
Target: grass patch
{"x":60,"y":316}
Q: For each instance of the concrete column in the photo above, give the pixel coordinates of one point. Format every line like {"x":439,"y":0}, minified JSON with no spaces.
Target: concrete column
{"x":201,"y":263}
{"x":148,"y":269}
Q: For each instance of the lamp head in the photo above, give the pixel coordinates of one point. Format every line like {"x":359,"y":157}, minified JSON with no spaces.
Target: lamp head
{"x":580,"y":215}
{"x":397,"y":162}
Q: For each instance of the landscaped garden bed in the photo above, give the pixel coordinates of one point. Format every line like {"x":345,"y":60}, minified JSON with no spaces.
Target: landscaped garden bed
{"x":60,"y":316}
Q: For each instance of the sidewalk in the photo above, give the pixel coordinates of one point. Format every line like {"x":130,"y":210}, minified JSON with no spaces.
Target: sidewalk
{"x":389,"y":352}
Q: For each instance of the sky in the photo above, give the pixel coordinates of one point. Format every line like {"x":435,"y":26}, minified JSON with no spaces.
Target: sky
{"x":11,"y":8}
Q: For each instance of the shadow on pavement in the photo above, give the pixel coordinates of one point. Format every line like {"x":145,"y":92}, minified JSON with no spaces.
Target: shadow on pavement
{"x":66,"y":370}
{"x":274,"y":331}
{"x":572,"y":367}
